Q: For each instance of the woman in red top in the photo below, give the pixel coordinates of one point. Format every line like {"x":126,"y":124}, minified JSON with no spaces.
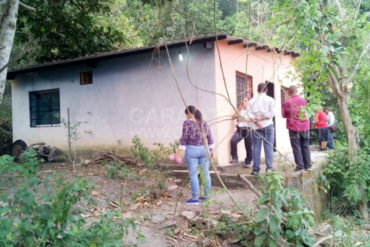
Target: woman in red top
{"x":321,"y":125}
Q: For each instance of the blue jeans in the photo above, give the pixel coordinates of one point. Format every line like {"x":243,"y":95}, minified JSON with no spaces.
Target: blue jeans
{"x":267,"y":136}
{"x":195,"y":156}
{"x":330,"y":139}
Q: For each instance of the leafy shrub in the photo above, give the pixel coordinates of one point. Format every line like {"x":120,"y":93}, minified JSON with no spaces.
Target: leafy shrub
{"x":239,"y":232}
{"x":112,"y":171}
{"x":162,"y":152}
{"x":32,"y":218}
{"x":5,"y":135}
{"x":117,"y":170}
{"x":348,"y":180}
{"x":140,"y":151}
{"x":282,"y":214}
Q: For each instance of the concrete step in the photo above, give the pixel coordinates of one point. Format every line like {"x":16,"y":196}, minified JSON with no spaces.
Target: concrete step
{"x":231,"y":180}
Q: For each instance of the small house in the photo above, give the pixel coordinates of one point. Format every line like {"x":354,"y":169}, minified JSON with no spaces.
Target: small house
{"x":136,"y":92}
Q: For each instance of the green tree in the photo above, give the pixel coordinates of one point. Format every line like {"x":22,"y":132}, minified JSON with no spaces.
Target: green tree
{"x":171,"y":20}
{"x":68,"y":28}
{"x":332,"y":37}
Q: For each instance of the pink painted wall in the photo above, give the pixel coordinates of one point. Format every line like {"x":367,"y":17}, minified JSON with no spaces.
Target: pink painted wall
{"x":262,"y":66}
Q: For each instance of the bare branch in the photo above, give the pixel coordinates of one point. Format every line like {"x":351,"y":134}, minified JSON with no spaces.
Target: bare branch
{"x":358,"y":63}
{"x":251,"y":186}
{"x":357,"y":10}
{"x":341,"y":13}
{"x":27,"y":6}
{"x":322,"y":240}
{"x":4,"y":67}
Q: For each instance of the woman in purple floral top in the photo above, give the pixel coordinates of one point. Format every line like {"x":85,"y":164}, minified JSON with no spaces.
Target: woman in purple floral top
{"x":194,"y":133}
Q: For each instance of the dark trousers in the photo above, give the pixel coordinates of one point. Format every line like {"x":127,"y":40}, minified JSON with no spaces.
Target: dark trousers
{"x":300,"y":141}
{"x":246,"y":134}
{"x":323,"y":134}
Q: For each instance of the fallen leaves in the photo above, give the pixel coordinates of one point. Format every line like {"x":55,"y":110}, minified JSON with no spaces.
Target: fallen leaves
{"x":93,"y":212}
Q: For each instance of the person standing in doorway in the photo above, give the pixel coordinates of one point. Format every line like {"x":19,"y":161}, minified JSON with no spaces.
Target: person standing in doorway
{"x":261,"y":113}
{"x":330,"y":119}
{"x":298,"y":125}
{"x":243,"y":131}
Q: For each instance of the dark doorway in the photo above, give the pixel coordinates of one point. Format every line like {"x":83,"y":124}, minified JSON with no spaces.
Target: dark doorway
{"x":271,"y":93}
{"x":270,"y":89}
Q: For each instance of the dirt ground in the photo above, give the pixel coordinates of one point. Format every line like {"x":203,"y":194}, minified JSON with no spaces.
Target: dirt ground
{"x":157,"y":202}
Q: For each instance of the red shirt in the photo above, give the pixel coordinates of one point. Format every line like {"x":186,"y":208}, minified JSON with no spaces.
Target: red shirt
{"x":321,"y":117}
{"x":291,"y":111}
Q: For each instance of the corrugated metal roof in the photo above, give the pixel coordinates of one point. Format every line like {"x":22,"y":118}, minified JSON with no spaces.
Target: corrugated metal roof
{"x":104,"y":55}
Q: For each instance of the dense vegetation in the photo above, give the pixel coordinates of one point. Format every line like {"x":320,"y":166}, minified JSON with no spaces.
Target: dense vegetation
{"x":41,"y":213}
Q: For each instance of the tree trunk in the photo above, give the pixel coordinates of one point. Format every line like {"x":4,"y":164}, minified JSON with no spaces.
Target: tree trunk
{"x":8,"y":23}
{"x":351,"y":133}
{"x":349,"y":129}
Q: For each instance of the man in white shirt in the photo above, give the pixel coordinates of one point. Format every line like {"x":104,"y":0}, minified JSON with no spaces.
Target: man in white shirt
{"x":261,"y":113}
{"x":243,"y":131}
{"x":330,"y":120}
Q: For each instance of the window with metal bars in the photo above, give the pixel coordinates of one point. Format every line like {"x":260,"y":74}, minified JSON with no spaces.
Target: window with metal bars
{"x":86,"y":77}
{"x":45,"y":108}
{"x":244,"y":87}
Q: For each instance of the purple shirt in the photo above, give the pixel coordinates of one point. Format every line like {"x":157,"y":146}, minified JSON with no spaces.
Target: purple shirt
{"x":191,"y":135}
{"x":291,"y":111}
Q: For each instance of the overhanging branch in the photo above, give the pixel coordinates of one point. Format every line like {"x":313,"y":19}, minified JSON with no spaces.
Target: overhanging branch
{"x":27,"y":6}
{"x":363,"y":53}
{"x":340,"y":10}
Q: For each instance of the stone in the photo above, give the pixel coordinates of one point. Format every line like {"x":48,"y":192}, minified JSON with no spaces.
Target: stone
{"x":172,"y":187}
{"x":168,"y":224}
{"x":158,"y":218}
{"x":55,"y":155}
{"x":190,"y":215}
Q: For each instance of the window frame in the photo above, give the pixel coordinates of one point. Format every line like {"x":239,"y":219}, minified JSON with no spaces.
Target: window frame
{"x":247,"y":88}
{"x":86,"y":77}
{"x":34,"y":108}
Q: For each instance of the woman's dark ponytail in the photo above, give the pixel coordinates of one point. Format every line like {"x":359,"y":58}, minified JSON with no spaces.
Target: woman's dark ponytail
{"x":193,"y":110}
{"x":198,"y":116}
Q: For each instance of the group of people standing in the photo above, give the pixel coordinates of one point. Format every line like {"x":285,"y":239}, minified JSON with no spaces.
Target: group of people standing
{"x":298,"y":124}
{"x":325,"y":125}
{"x":255,"y":126}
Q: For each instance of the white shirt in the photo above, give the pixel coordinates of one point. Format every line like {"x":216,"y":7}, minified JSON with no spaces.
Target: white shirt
{"x":330,"y":119}
{"x":244,"y":114}
{"x":261,"y":106}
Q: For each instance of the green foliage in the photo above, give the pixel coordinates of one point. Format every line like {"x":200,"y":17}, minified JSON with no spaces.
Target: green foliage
{"x":27,"y":166}
{"x":330,"y":45}
{"x":117,"y":170}
{"x":348,"y":180}
{"x":30,"y":217}
{"x":6,"y":121}
{"x":162,"y":152}
{"x":140,"y":151}
{"x":5,"y":135}
{"x":282,"y":214}
{"x":248,"y":20}
{"x":240,"y":232}
{"x":345,"y":232}
{"x":66,"y":29}
{"x":159,"y":21}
